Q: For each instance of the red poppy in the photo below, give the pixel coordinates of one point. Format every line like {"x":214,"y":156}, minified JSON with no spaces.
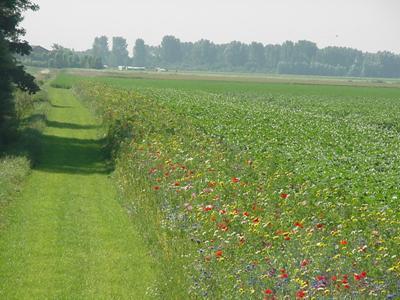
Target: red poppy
{"x":268,"y":292}
{"x":357,"y":277}
{"x":222,"y":211}
{"x":246,"y":214}
{"x":208,"y":207}
{"x":219,"y":253}
{"x":298,"y":224}
{"x":177,"y":184}
{"x":300,"y":294}
{"x":343,"y":242}
{"x":334,"y":278}
{"x":304,"y":263}
{"x":284,"y":275}
{"x":156,"y":188}
{"x":284,"y":195}
{"x":363,"y":274}
{"x":319,"y":226}
{"x":235,"y":179}
{"x":256,"y":220}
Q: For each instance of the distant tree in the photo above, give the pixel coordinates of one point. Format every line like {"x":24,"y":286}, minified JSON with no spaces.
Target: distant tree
{"x":11,"y":73}
{"x":101,"y":49}
{"x":204,"y":53}
{"x":272,"y":55}
{"x":76,"y":61}
{"x":286,"y":52}
{"x":97,"y":63}
{"x":257,"y":55}
{"x":338,"y":56}
{"x":186,"y":55}
{"x":390,"y":64}
{"x":236,"y":54}
{"x":171,"y":50}
{"x":140,"y":53}
{"x":304,"y":51}
{"x":119,"y":52}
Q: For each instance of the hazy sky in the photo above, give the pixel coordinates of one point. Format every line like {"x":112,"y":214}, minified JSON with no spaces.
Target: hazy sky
{"x":368,"y":25}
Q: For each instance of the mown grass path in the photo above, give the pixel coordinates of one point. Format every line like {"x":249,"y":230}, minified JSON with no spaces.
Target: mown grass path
{"x":67,"y":236}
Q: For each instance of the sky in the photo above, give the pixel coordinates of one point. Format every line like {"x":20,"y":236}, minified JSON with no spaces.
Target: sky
{"x":368,"y":25}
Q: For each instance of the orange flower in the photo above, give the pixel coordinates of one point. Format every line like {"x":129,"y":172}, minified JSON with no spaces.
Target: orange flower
{"x":219,"y":253}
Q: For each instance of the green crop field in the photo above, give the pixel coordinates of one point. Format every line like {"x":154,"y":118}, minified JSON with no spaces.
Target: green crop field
{"x":238,"y":189}
{"x":259,"y":189}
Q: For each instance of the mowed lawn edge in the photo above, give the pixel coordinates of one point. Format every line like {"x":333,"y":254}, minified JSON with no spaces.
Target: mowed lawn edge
{"x":67,"y":236}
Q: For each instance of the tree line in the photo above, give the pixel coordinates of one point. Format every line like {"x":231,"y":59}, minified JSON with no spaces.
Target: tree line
{"x":61,"y":57}
{"x":301,"y":57}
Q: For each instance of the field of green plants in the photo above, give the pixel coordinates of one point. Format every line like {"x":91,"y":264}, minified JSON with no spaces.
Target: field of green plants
{"x":258,"y":190}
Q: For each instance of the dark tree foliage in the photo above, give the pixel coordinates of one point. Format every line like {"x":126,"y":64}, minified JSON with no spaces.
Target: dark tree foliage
{"x":139,"y":53}
{"x":256,"y":56}
{"x":11,"y":73}
{"x":204,"y":53}
{"x":236,"y":54}
{"x":171,"y":50}
{"x":119,"y":52}
{"x":101,"y":49}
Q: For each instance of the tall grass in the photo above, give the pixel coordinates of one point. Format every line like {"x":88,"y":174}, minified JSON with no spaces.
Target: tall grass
{"x":19,"y":153}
